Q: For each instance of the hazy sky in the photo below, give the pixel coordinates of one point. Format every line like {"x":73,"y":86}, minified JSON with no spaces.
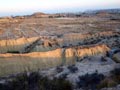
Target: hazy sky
{"x":14,"y":7}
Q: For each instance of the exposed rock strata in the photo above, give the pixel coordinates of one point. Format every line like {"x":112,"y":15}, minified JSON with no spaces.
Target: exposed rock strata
{"x":12,"y":45}
{"x":15,"y":63}
{"x":45,"y":44}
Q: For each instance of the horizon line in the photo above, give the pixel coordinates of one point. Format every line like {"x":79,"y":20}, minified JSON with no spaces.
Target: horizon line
{"x":25,"y":13}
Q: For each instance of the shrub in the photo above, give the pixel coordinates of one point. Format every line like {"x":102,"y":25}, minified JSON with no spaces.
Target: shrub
{"x":3,"y":87}
{"x":90,"y":81}
{"x":112,"y":80}
{"x":63,"y":76}
{"x":13,"y":52}
{"x":106,"y":83}
{"x":20,"y":82}
{"x":103,"y":59}
{"x":59,"y":69}
{"x":115,"y":74}
{"x":72,"y":69}
{"x":35,"y":81}
{"x":55,"y":84}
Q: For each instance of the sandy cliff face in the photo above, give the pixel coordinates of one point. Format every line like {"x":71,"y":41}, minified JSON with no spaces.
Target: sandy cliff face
{"x":16,"y":45}
{"x":21,"y":44}
{"x":91,"y":50}
{"x":16,"y":63}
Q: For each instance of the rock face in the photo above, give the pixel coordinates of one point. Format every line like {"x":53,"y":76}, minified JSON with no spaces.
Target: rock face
{"x":116,"y":57}
{"x":32,"y":44}
{"x":16,"y":63}
{"x":15,"y":45}
{"x":90,"y":51}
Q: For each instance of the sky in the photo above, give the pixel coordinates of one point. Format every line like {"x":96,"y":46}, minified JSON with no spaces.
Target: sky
{"x":24,"y":7}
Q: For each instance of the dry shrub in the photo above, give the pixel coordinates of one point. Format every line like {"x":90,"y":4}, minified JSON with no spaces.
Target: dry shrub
{"x":116,"y":75}
{"x":106,"y":83}
{"x":90,"y":81}
{"x":111,"y":81}
{"x":34,"y":81}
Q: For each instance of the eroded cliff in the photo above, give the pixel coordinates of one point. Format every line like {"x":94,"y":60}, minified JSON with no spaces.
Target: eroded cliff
{"x":16,"y":63}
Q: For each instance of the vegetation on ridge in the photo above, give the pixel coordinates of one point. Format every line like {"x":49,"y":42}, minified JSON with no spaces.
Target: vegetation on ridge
{"x":35,"y":81}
